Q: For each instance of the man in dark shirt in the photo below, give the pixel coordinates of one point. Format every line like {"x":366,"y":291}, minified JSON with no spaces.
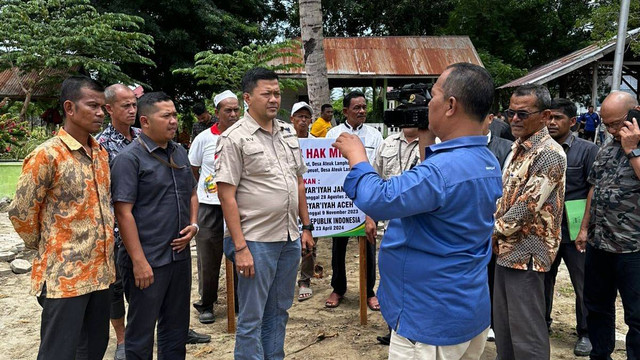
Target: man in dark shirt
{"x":156,"y":206}
{"x":501,"y":128}
{"x":205,"y":120}
{"x":611,"y":225}
{"x":580,"y":156}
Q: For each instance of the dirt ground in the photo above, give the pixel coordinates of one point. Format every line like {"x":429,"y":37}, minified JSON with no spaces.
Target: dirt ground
{"x":313,"y":332}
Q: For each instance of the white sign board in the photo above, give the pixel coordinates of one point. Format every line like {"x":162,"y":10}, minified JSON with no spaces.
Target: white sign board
{"x":332,"y":213}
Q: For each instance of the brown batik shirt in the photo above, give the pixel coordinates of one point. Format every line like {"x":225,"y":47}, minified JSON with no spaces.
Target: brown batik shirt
{"x":62,"y":208}
{"x":529,"y":214}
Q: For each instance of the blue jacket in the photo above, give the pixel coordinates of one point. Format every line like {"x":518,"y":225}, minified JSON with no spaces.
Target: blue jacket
{"x":433,"y":258}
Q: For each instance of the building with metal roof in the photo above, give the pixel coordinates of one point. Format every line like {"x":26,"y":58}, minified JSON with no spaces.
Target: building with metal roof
{"x":598,"y":56}
{"x":383,"y":61}
{"x":358,"y":61}
{"x":11,"y":80}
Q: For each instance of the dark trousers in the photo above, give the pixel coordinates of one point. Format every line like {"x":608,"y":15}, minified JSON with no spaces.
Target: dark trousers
{"x":574,"y":260}
{"x":519,"y":325}
{"x":491,"y":271}
{"x":209,"y":248}
{"x":165,"y":301}
{"x":606,"y":274}
{"x":589,"y":135}
{"x":117,"y":294}
{"x":75,"y":327}
{"x":339,"y":277}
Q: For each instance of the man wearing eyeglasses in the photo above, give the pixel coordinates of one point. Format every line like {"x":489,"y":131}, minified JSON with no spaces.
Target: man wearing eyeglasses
{"x":610,"y":231}
{"x":527,"y":228}
{"x":156,"y":206}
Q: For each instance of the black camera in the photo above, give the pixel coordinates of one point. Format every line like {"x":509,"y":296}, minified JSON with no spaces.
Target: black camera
{"x":413,"y":109}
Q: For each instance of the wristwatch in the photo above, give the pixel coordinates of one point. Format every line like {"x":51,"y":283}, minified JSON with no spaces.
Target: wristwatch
{"x":634,"y":153}
{"x":307,"y":227}
{"x":196,"y":226}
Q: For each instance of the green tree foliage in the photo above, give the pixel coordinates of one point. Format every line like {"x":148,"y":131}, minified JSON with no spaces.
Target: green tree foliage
{"x":225,"y":71}
{"x":56,"y":37}
{"x":521,"y":33}
{"x":377,"y":17}
{"x":183,"y":28}
{"x":603,"y":21}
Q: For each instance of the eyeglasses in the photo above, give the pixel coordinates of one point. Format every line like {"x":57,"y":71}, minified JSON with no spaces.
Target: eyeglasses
{"x":615,"y":124}
{"x":522,"y":115}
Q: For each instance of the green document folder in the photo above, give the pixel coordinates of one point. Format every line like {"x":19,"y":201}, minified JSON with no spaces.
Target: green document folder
{"x":575,"y":213}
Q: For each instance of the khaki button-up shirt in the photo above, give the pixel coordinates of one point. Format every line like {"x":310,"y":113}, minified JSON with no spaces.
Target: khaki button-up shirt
{"x":264,"y":168}
{"x":395,"y":156}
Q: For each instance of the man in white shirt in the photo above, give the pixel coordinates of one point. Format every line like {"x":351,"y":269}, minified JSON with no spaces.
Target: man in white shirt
{"x":355,"y":111}
{"x":209,"y":239}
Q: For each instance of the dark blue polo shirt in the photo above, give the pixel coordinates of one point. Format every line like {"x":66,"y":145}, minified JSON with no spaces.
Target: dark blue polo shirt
{"x":161,"y":197}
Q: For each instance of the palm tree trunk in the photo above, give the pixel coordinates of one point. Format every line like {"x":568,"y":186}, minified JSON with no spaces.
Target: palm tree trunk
{"x":314,"y":60}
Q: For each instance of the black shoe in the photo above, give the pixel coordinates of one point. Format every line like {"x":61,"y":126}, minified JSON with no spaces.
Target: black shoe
{"x":196,"y":338}
{"x":207,"y":317}
{"x":583,"y":346}
{"x":384,"y":340}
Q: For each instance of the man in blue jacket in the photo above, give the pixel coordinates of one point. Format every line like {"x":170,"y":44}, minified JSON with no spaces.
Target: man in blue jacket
{"x":433,"y":259}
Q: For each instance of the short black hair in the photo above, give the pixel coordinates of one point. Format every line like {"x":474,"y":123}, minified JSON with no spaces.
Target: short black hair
{"x":146,"y":103}
{"x":565,"y":105}
{"x":199,"y":109}
{"x":72,"y":87}
{"x":472,"y":86}
{"x":251,"y":78}
{"x":324,"y":106}
{"x":543,"y":98}
{"x":346,"y":102}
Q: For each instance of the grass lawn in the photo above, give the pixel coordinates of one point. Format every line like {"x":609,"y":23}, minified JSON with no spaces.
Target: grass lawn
{"x":9,"y":173}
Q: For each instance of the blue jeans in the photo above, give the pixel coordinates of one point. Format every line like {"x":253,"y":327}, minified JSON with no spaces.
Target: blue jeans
{"x":605,"y":274}
{"x":265,"y":298}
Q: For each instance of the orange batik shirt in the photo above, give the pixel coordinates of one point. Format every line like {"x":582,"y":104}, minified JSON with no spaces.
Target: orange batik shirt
{"x":62,"y":210}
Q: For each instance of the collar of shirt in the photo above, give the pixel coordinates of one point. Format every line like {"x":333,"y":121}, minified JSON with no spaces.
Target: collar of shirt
{"x":531,"y":141}
{"x":253,"y":126}
{"x":568,"y":142}
{"x":459,"y":142}
{"x":357,"y":128}
{"x":215,"y":130}
{"x":151,"y":146}
{"x":73,"y":144}
{"x":404,"y":138}
{"x":111,"y":132}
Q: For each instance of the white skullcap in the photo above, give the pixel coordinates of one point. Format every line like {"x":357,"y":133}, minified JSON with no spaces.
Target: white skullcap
{"x":301,"y":105}
{"x":223,"y":95}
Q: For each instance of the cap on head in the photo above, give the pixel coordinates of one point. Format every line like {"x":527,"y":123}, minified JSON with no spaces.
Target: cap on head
{"x":222,"y":96}
{"x":301,"y":105}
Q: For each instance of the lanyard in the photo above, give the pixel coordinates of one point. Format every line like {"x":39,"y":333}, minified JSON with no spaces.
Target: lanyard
{"x":170,"y":164}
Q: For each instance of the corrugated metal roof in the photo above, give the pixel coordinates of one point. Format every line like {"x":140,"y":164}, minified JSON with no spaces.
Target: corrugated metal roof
{"x":567,"y":64}
{"x":391,"y":56}
{"x":10,"y":86}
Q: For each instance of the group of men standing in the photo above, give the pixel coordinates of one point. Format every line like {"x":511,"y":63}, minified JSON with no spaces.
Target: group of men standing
{"x":240,"y":191}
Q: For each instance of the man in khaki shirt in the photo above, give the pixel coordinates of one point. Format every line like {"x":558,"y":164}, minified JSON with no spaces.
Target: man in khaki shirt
{"x":259,"y":171}
{"x":397,"y":153}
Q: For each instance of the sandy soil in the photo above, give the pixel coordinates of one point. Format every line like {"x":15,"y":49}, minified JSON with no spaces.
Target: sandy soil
{"x":313,"y":332}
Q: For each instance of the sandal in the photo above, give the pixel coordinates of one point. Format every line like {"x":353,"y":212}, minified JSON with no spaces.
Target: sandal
{"x":333,"y":301}
{"x":304,"y":293}
{"x":373,"y":303}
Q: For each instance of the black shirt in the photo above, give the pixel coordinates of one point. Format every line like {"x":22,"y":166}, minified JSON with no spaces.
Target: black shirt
{"x":580,"y":157}
{"x":161,"y":197}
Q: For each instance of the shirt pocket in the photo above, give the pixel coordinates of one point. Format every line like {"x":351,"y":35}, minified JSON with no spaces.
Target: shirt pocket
{"x":294,"y":150}
{"x":576,"y":173}
{"x":389,"y":157}
{"x":255,"y":160}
